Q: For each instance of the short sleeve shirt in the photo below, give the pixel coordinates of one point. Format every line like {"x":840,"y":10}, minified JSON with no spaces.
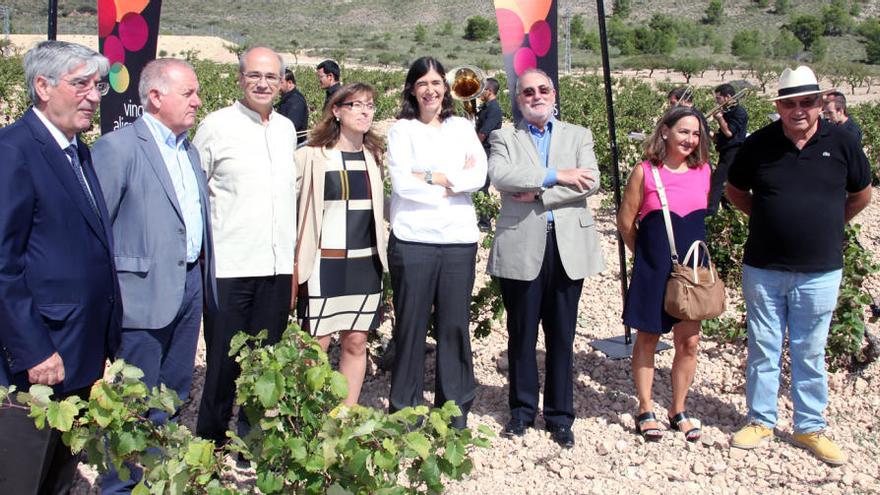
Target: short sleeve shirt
{"x":798,"y":196}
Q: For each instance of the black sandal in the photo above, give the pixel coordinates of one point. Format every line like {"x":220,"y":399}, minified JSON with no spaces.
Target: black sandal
{"x":649,"y":434}
{"x":691,"y":435}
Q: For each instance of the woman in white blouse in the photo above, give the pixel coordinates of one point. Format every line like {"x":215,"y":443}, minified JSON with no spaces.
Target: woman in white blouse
{"x":435,"y":163}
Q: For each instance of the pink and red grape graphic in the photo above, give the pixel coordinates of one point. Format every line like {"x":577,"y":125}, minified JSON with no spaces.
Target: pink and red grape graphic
{"x":122,"y":29}
{"x":520,"y":21}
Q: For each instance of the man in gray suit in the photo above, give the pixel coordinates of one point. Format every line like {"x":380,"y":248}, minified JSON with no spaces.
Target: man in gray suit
{"x":156,"y":194}
{"x":545,"y":244}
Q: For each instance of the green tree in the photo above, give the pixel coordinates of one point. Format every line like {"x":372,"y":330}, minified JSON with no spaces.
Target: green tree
{"x":446,"y":30}
{"x":622,"y":8}
{"x":807,"y":28}
{"x":819,"y":50}
{"x":577,"y":28}
{"x":763,"y":3}
{"x":870,"y":31}
{"x":690,"y":67}
{"x":786,"y":45}
{"x":836,"y":18}
{"x":421,"y":33}
{"x":589,"y":41}
{"x":714,"y":12}
{"x":479,"y":28}
{"x":782,"y":7}
{"x":621,"y":36}
{"x":747,"y":44}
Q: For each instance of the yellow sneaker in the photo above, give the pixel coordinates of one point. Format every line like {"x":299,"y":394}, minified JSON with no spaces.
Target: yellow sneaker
{"x":821,"y":446}
{"x":751,"y":436}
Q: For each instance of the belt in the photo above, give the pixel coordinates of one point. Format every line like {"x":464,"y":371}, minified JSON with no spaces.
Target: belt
{"x":333,"y":253}
{"x":551,"y":226}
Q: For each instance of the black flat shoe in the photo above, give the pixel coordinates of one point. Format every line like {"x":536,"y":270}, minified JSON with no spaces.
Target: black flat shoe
{"x":561,"y":435}
{"x":516,"y":427}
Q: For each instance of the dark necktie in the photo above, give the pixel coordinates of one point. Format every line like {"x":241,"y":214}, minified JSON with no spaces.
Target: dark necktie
{"x":80,"y":177}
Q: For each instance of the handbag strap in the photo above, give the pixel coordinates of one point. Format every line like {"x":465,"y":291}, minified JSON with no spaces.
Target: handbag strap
{"x":693,"y":255}
{"x":661,"y":191}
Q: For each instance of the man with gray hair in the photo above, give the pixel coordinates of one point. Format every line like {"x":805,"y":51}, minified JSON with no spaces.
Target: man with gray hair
{"x":157,"y":198}
{"x":545,"y":244}
{"x":59,"y":298}
{"x":247,"y":152}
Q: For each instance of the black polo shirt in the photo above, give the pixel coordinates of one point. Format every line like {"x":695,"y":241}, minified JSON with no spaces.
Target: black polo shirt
{"x":489,"y":119}
{"x":798,"y":196}
{"x":738,"y":122}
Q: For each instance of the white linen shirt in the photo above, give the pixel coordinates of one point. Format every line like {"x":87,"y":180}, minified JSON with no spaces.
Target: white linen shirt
{"x":422,"y":212}
{"x":252,"y":186}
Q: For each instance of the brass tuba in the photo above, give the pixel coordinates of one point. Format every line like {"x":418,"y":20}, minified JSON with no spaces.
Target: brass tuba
{"x":466,"y":84}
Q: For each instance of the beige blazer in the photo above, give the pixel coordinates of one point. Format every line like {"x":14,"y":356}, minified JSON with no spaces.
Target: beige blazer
{"x":310,"y":167}
{"x":520,"y":233}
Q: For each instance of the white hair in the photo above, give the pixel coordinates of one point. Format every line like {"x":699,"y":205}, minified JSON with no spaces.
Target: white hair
{"x":155,"y":76}
{"x":55,"y":59}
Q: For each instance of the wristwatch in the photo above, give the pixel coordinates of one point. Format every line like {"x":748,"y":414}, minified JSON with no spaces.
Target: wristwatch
{"x":429,"y":177}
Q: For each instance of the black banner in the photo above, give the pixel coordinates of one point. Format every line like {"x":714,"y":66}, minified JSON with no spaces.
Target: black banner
{"x":527,"y":29}
{"x":128,"y":31}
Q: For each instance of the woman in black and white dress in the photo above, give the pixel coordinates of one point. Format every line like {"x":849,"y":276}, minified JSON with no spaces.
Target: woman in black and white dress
{"x":341,"y":254}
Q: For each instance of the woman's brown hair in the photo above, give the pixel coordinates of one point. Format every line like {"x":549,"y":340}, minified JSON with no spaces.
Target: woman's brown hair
{"x":655,"y":145}
{"x":326,"y":131}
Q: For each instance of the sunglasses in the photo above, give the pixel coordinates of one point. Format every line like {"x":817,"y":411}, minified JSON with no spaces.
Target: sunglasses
{"x":805,"y":104}
{"x":530,"y":92}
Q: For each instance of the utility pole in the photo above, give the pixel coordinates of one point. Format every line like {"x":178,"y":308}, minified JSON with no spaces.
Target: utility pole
{"x":6,"y":12}
{"x":566,"y":33}
{"x":53,"y":19}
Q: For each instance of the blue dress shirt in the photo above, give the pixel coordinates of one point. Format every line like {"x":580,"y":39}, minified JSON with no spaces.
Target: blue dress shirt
{"x":173,"y":149}
{"x":542,"y":143}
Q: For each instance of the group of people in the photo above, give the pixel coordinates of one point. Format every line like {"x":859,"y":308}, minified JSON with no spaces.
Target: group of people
{"x":118,"y":252}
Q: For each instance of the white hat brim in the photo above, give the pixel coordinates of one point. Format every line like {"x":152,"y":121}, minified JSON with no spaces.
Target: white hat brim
{"x":803,"y":93}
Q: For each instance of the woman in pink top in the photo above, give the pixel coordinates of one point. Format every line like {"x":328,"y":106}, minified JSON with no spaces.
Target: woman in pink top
{"x":679,"y":149}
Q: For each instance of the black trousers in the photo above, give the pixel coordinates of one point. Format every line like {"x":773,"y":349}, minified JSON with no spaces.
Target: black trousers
{"x":719,"y":179}
{"x":422,"y":276}
{"x":34,"y":461}
{"x":551,"y":299}
{"x":248,"y":304}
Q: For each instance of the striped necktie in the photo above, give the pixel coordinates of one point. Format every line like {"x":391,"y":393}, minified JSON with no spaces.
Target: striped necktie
{"x":78,"y":172}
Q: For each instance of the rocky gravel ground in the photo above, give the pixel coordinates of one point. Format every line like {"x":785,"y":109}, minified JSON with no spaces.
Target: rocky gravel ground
{"x":609,"y":457}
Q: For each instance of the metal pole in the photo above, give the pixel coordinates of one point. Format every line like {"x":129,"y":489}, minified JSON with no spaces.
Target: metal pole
{"x":615,"y":347}
{"x":53,"y":19}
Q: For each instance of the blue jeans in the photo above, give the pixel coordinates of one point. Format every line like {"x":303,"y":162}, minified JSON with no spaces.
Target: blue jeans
{"x":802,"y":303}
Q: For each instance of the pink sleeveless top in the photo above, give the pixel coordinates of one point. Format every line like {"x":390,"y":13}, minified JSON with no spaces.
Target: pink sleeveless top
{"x":686,"y":192}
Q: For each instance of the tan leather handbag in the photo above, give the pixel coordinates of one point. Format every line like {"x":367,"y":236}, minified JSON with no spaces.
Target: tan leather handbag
{"x":694,"y":291}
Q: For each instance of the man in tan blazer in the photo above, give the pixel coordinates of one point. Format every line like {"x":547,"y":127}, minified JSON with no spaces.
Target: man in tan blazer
{"x":545,"y":245}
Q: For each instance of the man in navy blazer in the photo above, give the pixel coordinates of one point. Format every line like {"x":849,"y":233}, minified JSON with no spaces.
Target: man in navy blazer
{"x":157,"y":197}
{"x":60,"y":308}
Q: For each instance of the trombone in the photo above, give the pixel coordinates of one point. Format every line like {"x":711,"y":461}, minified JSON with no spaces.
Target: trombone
{"x":466,"y":83}
{"x":732,"y":102}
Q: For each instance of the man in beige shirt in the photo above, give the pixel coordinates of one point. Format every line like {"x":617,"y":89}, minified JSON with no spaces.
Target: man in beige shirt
{"x":246,"y":151}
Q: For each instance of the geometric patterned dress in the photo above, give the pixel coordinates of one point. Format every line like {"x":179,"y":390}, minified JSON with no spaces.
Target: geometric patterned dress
{"x":345,"y":289}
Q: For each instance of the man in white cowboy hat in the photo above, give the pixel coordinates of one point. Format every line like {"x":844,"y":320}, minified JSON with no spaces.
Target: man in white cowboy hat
{"x":800,"y":179}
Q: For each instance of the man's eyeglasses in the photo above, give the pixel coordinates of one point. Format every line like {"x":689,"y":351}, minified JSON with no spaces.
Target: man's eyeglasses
{"x":359,"y":106}
{"x":805,"y":104}
{"x":530,"y":92}
{"x":270,"y":77}
{"x":84,"y":86}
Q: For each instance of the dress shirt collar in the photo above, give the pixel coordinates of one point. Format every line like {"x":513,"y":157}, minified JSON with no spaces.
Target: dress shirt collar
{"x":56,"y":133}
{"x":548,"y":128}
{"x":162,"y":133}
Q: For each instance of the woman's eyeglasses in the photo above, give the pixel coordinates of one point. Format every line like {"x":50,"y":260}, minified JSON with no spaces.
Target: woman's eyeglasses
{"x":359,"y":106}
